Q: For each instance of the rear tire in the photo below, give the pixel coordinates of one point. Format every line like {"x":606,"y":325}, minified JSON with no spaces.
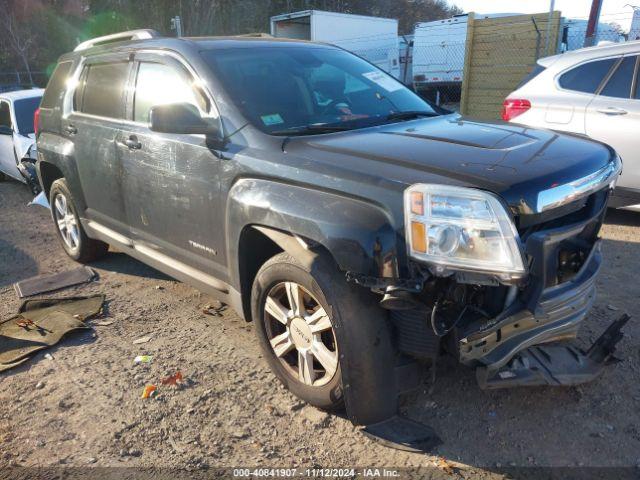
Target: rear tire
{"x":73,"y":238}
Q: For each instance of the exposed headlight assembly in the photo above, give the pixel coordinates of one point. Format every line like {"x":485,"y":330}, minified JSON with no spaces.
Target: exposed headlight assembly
{"x":456,"y":228}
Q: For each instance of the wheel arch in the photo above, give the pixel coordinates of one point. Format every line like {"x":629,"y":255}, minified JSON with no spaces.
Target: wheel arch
{"x":258,"y":244}
{"x":358,"y":236}
{"x":48,"y":173}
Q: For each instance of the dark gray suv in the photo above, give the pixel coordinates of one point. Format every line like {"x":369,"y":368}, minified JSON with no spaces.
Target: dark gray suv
{"x":360,"y":228}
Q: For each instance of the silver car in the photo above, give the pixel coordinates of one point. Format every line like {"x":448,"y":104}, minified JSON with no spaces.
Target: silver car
{"x":17,"y":137}
{"x":593,"y":91}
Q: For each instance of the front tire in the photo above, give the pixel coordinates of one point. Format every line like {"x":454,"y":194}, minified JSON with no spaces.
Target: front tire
{"x":72,"y":236}
{"x":296,"y":331}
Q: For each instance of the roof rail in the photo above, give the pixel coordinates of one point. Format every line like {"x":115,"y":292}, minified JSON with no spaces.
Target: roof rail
{"x":142,"y":34}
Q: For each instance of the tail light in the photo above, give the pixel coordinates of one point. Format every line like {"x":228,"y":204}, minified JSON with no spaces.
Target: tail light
{"x":512,"y":107}
{"x":36,"y":121}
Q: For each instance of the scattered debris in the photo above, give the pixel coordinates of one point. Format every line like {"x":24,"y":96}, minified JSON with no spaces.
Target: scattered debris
{"x":41,"y":200}
{"x":41,"y":324}
{"x":148,"y":391}
{"x":140,"y":340}
{"x":103,"y":323}
{"x":446,"y":466}
{"x":143,"y":359}
{"x":40,"y":385}
{"x":612,"y":308}
{"x":48,"y":283}
{"x":48,"y":356}
{"x":214,"y":310}
{"x":172,"y":379}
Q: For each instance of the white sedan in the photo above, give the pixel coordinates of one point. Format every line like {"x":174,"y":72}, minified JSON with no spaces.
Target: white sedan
{"x":592,"y":91}
{"x":17,"y":135}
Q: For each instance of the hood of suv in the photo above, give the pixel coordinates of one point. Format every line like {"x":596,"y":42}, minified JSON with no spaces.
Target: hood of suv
{"x":516,"y":162}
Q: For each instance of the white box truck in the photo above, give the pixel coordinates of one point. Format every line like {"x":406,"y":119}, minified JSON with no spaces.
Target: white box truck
{"x":438,"y":56}
{"x":439,"y":51}
{"x":373,"y":38}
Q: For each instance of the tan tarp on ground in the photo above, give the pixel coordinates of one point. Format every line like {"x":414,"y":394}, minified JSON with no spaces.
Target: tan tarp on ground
{"x":52,"y":319}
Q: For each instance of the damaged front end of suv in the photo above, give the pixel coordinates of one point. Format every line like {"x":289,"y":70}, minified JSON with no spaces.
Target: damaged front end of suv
{"x":502,"y":288}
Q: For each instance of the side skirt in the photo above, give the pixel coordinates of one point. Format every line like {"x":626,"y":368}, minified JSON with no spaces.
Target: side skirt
{"x":178,"y":270}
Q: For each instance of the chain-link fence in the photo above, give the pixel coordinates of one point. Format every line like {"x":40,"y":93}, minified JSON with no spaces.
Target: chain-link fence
{"x":471,"y":63}
{"x":18,"y":80}
{"x":438,"y":60}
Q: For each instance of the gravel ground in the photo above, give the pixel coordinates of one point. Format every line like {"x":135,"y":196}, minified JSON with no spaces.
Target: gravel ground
{"x":82,"y":408}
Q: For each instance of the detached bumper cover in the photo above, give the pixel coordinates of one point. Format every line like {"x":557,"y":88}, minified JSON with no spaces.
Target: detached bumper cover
{"x":555,"y":364}
{"x":556,"y":316}
{"x":546,"y":311}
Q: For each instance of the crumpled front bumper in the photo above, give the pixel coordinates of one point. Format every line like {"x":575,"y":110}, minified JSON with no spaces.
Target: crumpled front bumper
{"x":523,"y":339}
{"x":556,"y":316}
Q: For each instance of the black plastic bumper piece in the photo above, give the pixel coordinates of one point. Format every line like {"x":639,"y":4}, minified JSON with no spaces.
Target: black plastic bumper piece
{"x":555,"y":364}
{"x":403,"y":434}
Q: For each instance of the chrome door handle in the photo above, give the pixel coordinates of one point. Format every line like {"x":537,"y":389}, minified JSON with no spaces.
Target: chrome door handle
{"x":612,"y":111}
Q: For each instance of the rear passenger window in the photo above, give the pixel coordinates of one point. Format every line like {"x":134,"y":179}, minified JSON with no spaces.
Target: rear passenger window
{"x":103,"y":92}
{"x":619,"y":85}
{"x":56,"y":85}
{"x":587,"y":77}
{"x":160,"y":84}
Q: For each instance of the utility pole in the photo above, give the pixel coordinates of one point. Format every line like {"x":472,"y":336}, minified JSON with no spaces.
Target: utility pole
{"x":176,"y":24}
{"x":592,"y":26}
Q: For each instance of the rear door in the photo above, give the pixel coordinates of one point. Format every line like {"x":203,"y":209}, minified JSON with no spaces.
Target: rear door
{"x":94,"y":126}
{"x":577,"y":87}
{"x":171,"y":182}
{"x":613,"y":117}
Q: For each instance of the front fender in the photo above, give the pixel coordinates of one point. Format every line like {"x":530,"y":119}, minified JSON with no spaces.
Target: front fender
{"x":360,"y":236}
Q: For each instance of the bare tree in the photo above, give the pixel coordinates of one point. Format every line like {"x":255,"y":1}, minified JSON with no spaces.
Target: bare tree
{"x":19,"y":40}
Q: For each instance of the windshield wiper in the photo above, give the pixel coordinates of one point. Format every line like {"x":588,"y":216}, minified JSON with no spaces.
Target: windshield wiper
{"x":411,"y":114}
{"x":312,"y":129}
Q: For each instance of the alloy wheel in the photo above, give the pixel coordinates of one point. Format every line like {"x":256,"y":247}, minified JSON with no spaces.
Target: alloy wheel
{"x":300,"y":333}
{"x":66,"y":222}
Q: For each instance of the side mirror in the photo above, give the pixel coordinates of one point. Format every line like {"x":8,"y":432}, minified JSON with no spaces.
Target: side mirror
{"x":5,"y":130}
{"x":181,"y":118}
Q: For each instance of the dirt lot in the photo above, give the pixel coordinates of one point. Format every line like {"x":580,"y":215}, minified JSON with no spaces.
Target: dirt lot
{"x":83,"y":407}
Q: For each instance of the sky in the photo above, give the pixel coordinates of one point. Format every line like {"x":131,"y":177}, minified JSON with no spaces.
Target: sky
{"x":612,"y":10}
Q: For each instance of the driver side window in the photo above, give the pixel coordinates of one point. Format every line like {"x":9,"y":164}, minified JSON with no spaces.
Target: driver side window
{"x":5,"y":115}
{"x":160,"y":84}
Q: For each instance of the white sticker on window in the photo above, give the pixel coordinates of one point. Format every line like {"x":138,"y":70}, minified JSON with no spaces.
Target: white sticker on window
{"x":383,"y":80}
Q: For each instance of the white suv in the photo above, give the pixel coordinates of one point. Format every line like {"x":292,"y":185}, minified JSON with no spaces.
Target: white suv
{"x":593,"y":91}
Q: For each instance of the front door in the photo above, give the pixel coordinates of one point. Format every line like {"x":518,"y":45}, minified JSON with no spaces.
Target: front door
{"x":171,"y":181}
{"x":7,"y":154}
{"x":613,"y":117}
{"x":94,"y":126}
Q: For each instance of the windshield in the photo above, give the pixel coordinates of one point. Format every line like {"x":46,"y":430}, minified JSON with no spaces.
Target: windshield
{"x":24,"y":110}
{"x":284,"y":90}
